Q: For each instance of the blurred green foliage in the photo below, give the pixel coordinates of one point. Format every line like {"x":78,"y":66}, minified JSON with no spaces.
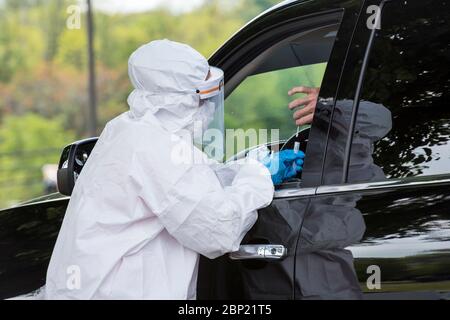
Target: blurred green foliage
{"x":44,"y":63}
{"x":43,"y":76}
{"x":26,"y":143}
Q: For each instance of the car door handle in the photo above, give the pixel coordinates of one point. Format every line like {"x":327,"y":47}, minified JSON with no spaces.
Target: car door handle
{"x":259,"y":251}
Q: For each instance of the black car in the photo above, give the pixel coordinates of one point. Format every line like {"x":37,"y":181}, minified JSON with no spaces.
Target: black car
{"x":369,"y":216}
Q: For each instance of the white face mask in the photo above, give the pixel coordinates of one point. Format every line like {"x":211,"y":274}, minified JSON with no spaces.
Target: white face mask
{"x":201,"y":120}
{"x":206,"y":113}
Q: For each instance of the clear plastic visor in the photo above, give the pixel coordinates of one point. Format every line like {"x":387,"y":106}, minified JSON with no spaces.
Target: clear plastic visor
{"x":213,"y":143}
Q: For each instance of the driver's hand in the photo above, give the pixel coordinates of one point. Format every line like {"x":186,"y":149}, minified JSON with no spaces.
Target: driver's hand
{"x":304,"y":115}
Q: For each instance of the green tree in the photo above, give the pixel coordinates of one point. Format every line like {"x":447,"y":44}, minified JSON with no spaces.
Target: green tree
{"x":26,"y":144}
{"x":20,"y":47}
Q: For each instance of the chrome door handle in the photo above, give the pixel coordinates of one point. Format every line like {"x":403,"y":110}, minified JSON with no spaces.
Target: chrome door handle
{"x":259,"y":251}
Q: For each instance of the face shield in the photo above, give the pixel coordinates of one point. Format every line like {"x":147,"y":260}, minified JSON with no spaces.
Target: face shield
{"x":212,"y":137}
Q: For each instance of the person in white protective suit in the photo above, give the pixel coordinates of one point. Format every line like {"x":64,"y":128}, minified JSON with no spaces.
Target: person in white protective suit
{"x":139,"y":217}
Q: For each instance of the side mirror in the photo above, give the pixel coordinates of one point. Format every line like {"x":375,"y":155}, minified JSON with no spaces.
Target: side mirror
{"x":72,"y":160}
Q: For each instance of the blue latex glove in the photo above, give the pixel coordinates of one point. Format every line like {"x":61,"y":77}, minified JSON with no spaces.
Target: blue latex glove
{"x":281,"y":165}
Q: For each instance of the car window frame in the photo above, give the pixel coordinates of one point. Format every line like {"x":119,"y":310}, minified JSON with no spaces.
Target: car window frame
{"x":292,"y":27}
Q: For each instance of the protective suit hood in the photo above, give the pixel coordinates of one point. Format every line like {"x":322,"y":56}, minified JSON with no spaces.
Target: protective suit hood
{"x":165,"y":75}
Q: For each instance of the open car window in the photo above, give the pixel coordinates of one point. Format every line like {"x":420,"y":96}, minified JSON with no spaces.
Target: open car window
{"x":261,"y":101}
{"x":257,"y":101}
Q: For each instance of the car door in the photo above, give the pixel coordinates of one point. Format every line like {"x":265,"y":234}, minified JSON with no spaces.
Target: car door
{"x":387,"y":161}
{"x":299,"y":44}
{"x":27,"y":236}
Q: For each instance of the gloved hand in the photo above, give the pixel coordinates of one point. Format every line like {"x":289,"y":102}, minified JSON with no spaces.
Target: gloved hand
{"x":281,"y":165}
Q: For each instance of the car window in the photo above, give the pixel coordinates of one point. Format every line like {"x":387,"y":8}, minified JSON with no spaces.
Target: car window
{"x":260,"y":100}
{"x":403,"y":118}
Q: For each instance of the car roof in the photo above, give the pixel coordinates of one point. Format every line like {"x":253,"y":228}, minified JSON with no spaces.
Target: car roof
{"x":260,"y":17}
{"x":282,"y":11}
{"x":273,"y":8}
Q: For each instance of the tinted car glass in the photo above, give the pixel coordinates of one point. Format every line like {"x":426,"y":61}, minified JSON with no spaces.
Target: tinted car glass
{"x":407,"y":82}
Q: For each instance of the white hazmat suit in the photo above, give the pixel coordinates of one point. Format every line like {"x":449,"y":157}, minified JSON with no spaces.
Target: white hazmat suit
{"x":137,"y":220}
